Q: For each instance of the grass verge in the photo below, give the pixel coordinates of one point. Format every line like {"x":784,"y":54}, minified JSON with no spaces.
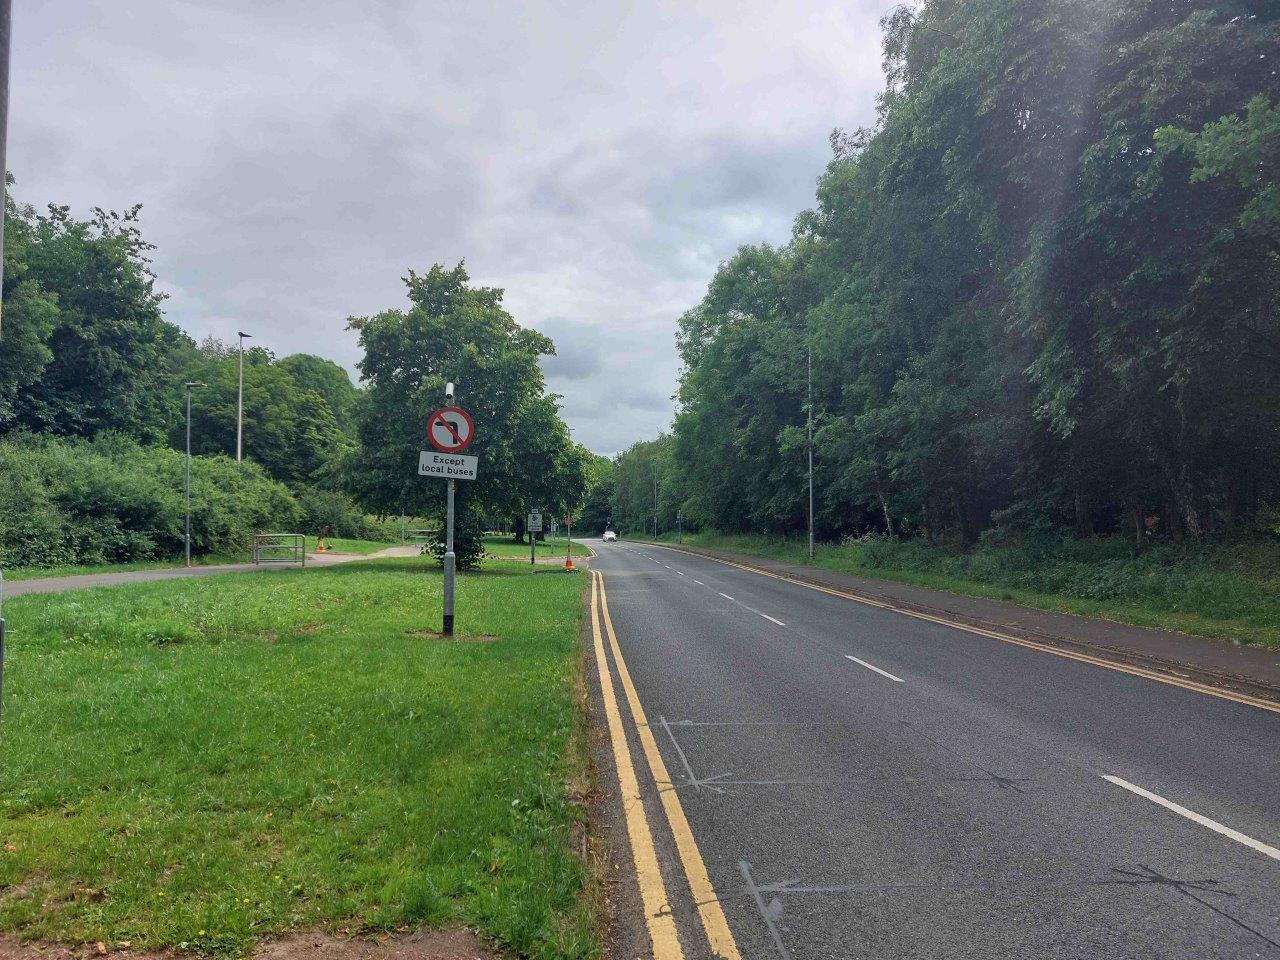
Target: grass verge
{"x":196,"y":764}
{"x":504,"y":548}
{"x":1225,"y":591}
{"x":345,"y":545}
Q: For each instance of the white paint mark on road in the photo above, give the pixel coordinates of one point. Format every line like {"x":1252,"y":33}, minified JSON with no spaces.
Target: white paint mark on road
{"x":773,"y":620}
{"x":883,"y":673}
{"x":699,"y":583}
{"x":1194,"y":817}
{"x":726,"y":596}
{"x":681,"y":572}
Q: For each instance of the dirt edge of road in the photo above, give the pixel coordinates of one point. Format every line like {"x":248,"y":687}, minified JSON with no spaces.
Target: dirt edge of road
{"x":450,"y":943}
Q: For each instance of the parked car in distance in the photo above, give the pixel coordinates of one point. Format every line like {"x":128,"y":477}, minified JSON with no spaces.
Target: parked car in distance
{"x":609,"y":536}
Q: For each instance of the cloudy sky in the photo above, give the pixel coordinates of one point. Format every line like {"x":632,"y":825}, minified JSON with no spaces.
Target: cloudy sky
{"x":595,"y":159}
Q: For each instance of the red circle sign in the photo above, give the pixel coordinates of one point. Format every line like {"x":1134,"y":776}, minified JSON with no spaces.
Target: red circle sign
{"x":450,"y":429}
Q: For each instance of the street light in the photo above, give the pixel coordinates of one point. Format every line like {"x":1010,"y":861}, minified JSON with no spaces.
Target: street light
{"x":6,"y":17}
{"x":809,"y":419}
{"x":187,"y":536}
{"x":655,"y":497}
{"x":240,"y":401}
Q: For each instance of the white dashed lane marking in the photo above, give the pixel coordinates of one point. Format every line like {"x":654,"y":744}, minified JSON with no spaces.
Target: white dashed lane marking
{"x":869,"y":666}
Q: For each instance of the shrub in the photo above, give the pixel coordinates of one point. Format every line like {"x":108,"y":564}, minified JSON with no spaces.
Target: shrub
{"x":112,"y":499}
{"x":337,"y":513}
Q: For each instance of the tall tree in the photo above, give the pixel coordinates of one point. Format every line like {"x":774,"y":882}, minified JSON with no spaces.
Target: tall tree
{"x":453,"y":331}
{"x":108,"y":342}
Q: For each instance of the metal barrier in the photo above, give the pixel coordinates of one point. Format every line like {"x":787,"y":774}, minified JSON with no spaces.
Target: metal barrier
{"x":280,"y":548}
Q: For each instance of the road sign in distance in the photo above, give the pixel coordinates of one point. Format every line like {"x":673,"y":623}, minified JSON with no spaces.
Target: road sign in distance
{"x":535,"y":523}
{"x":568,"y":521}
{"x":450,"y":429}
{"x":450,"y":466}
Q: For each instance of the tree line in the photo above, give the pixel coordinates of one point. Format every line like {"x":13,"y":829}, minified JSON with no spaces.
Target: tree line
{"x":92,"y":410}
{"x":1040,"y":294}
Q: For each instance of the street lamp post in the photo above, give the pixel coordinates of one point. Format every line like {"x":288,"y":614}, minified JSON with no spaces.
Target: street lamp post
{"x":655,"y":498}
{"x":187,"y":536}
{"x":809,"y":424}
{"x":6,"y":17}
{"x":240,"y":401}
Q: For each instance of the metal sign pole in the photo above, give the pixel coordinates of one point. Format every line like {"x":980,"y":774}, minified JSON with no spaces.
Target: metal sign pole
{"x":450,"y":563}
{"x":450,"y":430}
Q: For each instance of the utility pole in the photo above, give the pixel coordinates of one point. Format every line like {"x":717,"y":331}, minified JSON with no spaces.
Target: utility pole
{"x":809,"y":406}
{"x":6,"y":21}
{"x":240,"y":401}
{"x":187,"y":537}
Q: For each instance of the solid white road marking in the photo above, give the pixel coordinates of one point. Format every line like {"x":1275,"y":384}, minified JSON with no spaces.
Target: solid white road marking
{"x":699,"y":583}
{"x":883,"y":673}
{"x":773,"y":620}
{"x":681,"y":572}
{"x":1214,"y":825}
{"x":726,"y":596}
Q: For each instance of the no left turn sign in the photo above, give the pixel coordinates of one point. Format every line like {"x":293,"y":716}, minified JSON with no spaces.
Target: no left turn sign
{"x":450,"y":429}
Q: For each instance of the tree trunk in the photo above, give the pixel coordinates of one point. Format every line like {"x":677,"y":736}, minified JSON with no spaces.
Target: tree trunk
{"x":1084,"y":516}
{"x":962,"y":518}
{"x":884,"y":505}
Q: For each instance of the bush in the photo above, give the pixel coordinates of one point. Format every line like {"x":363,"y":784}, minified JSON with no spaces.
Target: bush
{"x":112,"y":500}
{"x":337,"y":513}
{"x":468,"y":539}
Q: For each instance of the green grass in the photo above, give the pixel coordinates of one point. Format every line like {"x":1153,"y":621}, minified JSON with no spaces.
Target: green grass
{"x":503,"y":547}
{"x":38,"y":573}
{"x":197,"y":764}
{"x":1227,"y":591}
{"x":344,"y":545}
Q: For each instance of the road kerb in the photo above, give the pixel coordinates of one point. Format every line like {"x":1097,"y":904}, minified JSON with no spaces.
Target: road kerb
{"x":653,"y":892}
{"x":712,"y":915}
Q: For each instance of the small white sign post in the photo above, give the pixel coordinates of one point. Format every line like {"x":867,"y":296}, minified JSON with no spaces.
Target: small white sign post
{"x":450,"y":430}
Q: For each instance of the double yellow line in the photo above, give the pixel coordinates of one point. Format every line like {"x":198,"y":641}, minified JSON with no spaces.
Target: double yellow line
{"x":659,"y":915}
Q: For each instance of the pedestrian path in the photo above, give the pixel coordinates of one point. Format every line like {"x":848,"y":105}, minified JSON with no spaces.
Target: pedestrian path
{"x":85,"y":581}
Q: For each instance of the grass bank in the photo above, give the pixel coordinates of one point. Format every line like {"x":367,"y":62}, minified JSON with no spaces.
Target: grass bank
{"x":1227,"y":591}
{"x":196,"y":764}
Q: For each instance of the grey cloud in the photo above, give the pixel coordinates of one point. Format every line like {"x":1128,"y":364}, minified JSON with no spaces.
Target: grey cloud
{"x":596,"y":160}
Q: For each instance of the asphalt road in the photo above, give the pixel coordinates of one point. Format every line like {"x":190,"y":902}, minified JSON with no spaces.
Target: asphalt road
{"x":863,"y":784}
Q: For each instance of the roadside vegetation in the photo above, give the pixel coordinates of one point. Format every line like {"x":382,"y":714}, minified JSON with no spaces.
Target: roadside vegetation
{"x":195,"y":765}
{"x":1041,"y":295}
{"x":1230,"y":591}
{"x":93,"y":413}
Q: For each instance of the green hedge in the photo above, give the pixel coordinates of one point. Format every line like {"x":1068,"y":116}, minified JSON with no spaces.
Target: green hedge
{"x":65,"y":502}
